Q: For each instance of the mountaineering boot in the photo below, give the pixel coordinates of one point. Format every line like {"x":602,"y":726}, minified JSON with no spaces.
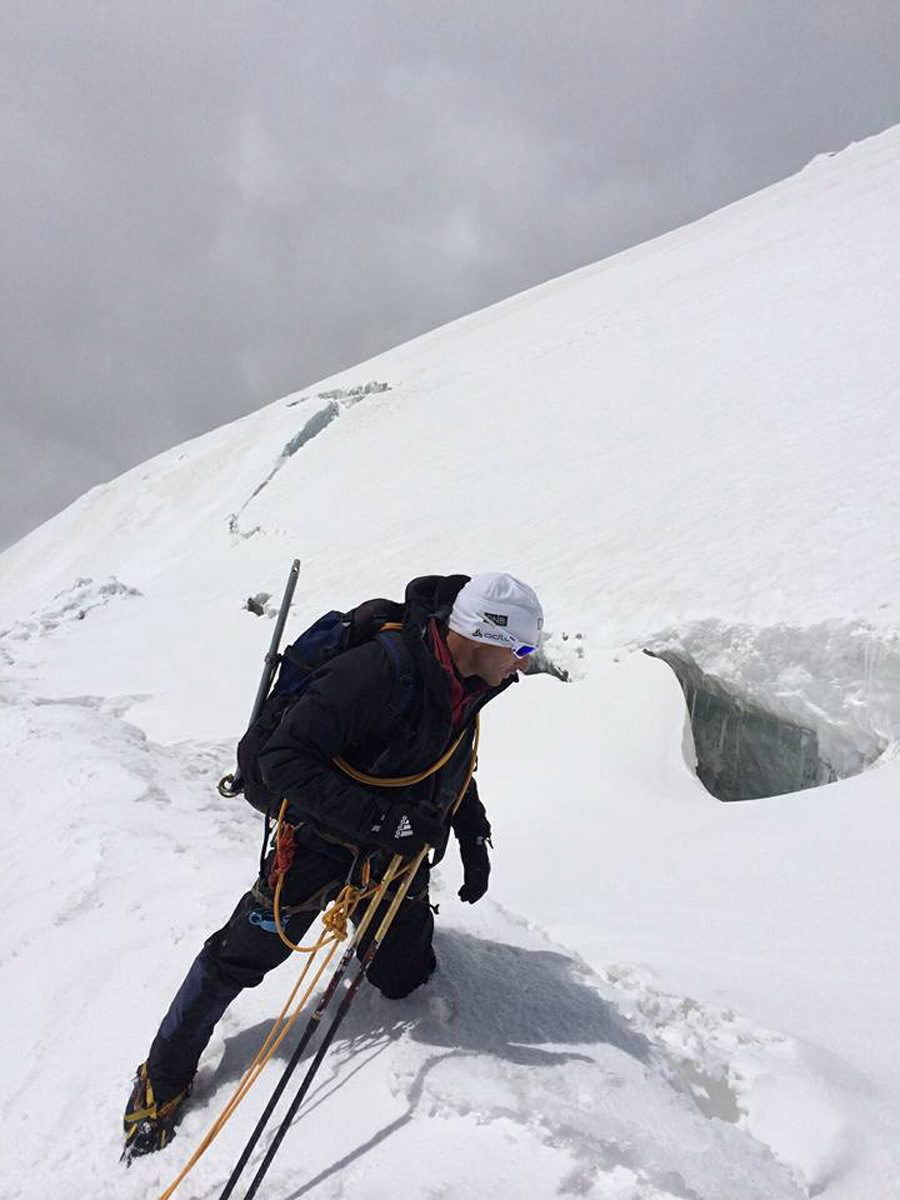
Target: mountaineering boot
{"x":148,"y":1125}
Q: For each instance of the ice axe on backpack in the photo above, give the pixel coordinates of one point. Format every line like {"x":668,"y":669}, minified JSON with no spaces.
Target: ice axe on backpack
{"x":233,"y":785}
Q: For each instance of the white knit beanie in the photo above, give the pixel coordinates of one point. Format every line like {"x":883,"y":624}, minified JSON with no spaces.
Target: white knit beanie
{"x":498,"y":609}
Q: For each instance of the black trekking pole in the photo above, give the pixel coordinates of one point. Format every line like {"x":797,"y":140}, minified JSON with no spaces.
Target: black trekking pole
{"x":233,"y":785}
{"x":343,"y":1008}
{"x":312,"y":1024}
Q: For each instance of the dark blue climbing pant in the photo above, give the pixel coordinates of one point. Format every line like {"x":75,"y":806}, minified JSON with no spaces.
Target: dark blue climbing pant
{"x":241,"y":953}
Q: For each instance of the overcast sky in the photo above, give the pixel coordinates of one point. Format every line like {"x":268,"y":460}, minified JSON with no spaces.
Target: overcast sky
{"x":208,"y":204}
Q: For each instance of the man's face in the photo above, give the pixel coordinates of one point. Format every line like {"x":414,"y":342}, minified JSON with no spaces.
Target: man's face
{"x":494,"y":664}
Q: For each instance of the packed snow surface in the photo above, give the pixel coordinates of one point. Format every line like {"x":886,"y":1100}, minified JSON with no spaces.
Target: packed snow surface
{"x":694,"y":443}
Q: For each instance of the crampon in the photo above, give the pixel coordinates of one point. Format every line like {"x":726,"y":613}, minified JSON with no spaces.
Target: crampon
{"x":149,"y":1126}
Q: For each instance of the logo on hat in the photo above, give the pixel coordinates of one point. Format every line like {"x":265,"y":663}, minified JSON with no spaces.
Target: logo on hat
{"x":497,"y":618}
{"x":501,"y":638}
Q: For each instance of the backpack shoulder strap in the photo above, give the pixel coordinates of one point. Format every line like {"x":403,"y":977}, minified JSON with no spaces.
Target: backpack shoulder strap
{"x":399,"y":658}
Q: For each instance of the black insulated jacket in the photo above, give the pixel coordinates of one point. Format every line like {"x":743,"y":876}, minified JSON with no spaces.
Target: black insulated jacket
{"x":386,"y":718}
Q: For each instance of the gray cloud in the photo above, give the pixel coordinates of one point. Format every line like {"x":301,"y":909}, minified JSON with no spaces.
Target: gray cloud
{"x":208,"y":204}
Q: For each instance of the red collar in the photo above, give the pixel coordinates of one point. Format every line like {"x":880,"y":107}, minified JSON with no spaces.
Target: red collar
{"x":460,"y":695}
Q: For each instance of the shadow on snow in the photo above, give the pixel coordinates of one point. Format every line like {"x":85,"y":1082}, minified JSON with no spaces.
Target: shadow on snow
{"x":486,"y":998}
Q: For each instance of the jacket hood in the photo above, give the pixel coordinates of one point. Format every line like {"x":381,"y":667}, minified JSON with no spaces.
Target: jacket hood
{"x":431,"y":596}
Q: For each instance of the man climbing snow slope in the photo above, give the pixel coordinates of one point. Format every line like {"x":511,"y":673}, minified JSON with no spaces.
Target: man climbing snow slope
{"x":392,"y":710}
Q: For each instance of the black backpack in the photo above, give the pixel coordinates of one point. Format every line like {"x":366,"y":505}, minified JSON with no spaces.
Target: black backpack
{"x":328,"y":637}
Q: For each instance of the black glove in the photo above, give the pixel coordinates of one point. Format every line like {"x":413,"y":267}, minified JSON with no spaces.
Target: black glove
{"x":406,"y":830}
{"x":476,"y":869}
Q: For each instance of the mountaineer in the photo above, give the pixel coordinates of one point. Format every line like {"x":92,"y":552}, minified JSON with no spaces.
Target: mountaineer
{"x":392,"y":705}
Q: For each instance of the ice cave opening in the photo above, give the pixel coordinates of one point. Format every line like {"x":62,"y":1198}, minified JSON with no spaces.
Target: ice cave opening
{"x":744,"y":750}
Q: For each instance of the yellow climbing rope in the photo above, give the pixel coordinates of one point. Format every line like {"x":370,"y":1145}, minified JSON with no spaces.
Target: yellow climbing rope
{"x":282,"y":1027}
{"x":401,"y":780}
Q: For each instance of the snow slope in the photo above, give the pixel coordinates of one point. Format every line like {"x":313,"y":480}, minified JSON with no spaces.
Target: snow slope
{"x":693,"y":442}
{"x":517,"y":1073}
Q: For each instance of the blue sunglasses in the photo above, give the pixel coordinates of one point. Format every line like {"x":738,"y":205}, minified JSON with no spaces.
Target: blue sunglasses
{"x":521,"y":649}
